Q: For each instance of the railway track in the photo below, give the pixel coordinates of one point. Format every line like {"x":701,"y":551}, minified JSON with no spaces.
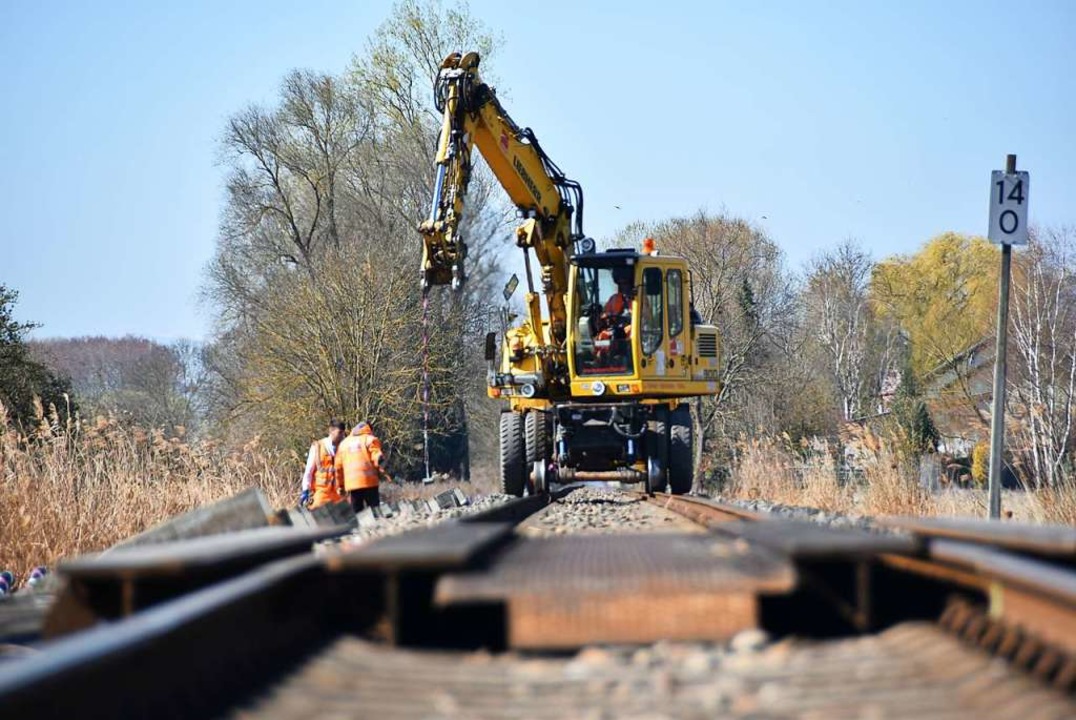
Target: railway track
{"x":596,"y":604}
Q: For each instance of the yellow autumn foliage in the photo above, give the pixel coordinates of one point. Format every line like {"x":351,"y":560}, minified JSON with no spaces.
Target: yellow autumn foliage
{"x":980,"y":462}
{"x":943,"y":296}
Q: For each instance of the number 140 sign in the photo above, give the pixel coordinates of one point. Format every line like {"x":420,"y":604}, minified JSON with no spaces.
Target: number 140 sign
{"x":1008,"y":207}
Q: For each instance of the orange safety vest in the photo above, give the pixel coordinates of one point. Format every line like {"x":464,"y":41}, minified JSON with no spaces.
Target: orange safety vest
{"x":617,"y":304}
{"x":357,"y":459}
{"x":326,"y":490}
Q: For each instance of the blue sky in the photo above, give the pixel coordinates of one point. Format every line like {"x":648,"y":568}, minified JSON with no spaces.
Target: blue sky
{"x":877,"y":120}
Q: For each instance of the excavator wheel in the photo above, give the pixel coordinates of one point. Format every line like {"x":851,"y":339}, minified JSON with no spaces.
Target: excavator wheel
{"x":514,"y":471}
{"x":681,"y":453}
{"x":538,"y":434}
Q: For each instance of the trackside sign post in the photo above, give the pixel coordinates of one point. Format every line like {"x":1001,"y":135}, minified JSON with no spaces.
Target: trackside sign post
{"x":1009,"y":193}
{"x":1008,"y":207}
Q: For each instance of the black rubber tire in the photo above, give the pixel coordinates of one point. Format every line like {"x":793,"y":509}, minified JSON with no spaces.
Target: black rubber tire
{"x":538,"y":431}
{"x":657,"y":443}
{"x":538,"y":437}
{"x":681,"y":451}
{"x":513,"y":454}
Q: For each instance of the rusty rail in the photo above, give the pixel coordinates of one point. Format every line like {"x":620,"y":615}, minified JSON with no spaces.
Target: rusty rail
{"x":701,"y":510}
{"x":1045,"y":541}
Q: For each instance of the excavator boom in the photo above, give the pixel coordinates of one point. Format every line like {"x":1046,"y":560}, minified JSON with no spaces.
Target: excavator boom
{"x":550,"y":203}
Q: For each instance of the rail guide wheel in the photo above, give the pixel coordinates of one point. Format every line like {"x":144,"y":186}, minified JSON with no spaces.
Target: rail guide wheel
{"x":655,"y":475}
{"x":541,"y":478}
{"x":657,"y":451}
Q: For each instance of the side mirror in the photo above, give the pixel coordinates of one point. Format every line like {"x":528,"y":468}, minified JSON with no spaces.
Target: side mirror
{"x":491,"y":347}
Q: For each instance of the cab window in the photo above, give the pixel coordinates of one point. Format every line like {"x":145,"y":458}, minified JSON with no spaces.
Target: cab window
{"x":603,"y":300}
{"x":652,"y":309}
{"x":676,"y":302}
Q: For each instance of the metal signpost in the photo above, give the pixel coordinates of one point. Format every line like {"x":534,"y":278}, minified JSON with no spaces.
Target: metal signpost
{"x":1009,"y":192}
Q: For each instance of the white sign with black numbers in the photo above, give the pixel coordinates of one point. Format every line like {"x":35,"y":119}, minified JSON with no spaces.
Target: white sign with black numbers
{"x":1008,"y":207}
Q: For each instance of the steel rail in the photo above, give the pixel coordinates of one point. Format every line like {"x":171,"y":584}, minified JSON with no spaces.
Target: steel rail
{"x":1048,"y":541}
{"x":701,"y":510}
{"x":183,"y":658}
{"x":205,"y":651}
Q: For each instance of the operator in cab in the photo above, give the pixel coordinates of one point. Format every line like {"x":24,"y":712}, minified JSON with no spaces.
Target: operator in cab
{"x":615,"y":324}
{"x":620,"y":301}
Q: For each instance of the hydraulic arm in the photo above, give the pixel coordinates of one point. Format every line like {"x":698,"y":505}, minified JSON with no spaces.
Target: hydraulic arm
{"x":550,"y":203}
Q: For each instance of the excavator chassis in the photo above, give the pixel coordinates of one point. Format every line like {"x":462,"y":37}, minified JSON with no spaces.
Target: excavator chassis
{"x":627,"y":442}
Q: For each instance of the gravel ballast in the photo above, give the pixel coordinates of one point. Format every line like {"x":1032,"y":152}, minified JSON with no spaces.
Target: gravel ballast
{"x":599,"y":510}
{"x":805,"y":514}
{"x":410,"y":515}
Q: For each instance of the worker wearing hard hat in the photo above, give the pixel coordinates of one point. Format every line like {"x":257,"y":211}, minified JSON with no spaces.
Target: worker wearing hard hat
{"x":358,"y":467}
{"x":320,"y":484}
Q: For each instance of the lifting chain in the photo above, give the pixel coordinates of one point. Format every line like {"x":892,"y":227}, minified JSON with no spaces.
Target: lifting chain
{"x":426,"y":380}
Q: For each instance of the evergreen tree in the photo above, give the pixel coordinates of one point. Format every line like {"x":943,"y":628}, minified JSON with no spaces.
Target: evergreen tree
{"x":912,"y":417}
{"x":22,"y":378}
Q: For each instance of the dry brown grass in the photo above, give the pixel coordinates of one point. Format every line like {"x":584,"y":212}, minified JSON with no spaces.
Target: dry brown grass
{"x":891,"y":486}
{"x":772,"y":469}
{"x":1056,"y":505}
{"x":81,"y":488}
{"x":769,"y":469}
{"x":84,"y":487}
{"x":484,"y":481}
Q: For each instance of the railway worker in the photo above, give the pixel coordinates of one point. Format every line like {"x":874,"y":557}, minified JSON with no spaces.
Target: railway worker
{"x":358,"y":467}
{"x":320,"y":484}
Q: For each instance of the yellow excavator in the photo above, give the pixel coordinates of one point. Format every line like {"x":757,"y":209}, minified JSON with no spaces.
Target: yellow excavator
{"x":596,"y":389}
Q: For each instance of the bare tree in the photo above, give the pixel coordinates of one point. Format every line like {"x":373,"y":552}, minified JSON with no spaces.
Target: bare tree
{"x":1044,"y":338}
{"x":286,"y":164}
{"x":315,"y":279}
{"x":140,"y":381}
{"x":838,"y":317}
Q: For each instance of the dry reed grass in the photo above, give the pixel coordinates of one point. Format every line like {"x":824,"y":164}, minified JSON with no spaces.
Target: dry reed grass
{"x":1057,"y":504}
{"x":768,"y":468}
{"x":85,"y":486}
{"x":774,"y":469}
{"x":77,"y":487}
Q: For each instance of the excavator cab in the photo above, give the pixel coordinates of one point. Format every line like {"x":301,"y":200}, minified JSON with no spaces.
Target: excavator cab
{"x":632,"y":331}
